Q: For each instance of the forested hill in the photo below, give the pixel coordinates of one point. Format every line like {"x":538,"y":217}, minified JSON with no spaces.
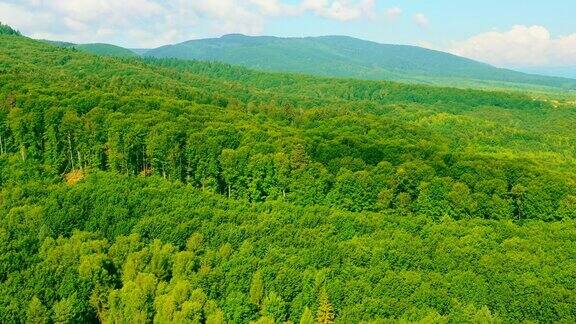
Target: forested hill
{"x":145,"y":190}
{"x":342,"y":56}
{"x":7,"y":30}
{"x":97,"y":49}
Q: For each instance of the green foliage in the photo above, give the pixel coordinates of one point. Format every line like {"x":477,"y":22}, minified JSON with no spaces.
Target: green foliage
{"x":375,"y":265}
{"x":169,"y":191}
{"x":352,"y":145}
{"x":274,"y":307}
{"x":65,"y":310}
{"x":105,"y":50}
{"x":256,"y":288}
{"x":96,"y":49}
{"x":36,"y":312}
{"x":307,"y":317}
{"x":7,"y":30}
{"x":325,"y":313}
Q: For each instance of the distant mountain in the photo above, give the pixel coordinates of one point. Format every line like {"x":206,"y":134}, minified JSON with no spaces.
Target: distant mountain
{"x":97,"y":49}
{"x":342,"y":56}
{"x":140,"y":51}
{"x":106,"y":50}
{"x":565,"y":72}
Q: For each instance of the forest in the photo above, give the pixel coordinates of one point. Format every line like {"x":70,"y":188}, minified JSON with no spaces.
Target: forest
{"x":168,"y":191}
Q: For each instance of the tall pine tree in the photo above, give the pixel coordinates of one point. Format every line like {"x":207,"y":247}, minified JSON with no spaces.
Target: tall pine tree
{"x":256,"y":288}
{"x":307,"y":317}
{"x":325,"y":314}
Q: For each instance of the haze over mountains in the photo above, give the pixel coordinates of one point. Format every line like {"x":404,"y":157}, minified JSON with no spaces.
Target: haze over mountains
{"x":560,"y":71}
{"x":342,"y":56}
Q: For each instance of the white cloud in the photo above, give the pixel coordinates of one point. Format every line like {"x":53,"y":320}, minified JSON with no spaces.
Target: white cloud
{"x":421,"y":20}
{"x":275,"y":8}
{"x":425,"y":44}
{"x":95,"y":10}
{"x":20,"y":17}
{"x":393,"y":13}
{"x":521,"y":46}
{"x":144,"y":23}
{"x":151,"y":40}
{"x":228,"y":16}
{"x":81,"y":20}
{"x":343,"y":10}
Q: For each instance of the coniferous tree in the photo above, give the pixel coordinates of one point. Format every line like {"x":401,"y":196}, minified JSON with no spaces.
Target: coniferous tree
{"x":274,"y":307}
{"x":307,"y":316}
{"x":36,"y":312}
{"x":256,"y":288}
{"x":7,"y":30}
{"x":325,"y":314}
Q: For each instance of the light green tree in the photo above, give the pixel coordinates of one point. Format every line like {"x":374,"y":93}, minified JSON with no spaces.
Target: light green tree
{"x":325,"y":314}
{"x":274,"y":307}
{"x":36,"y":312}
{"x":307,"y":316}
{"x":63,"y":310}
{"x":256,"y":288}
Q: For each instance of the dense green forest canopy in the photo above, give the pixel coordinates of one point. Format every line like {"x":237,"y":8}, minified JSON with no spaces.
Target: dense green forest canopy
{"x":341,"y":56}
{"x":97,"y":49}
{"x":173,"y":191}
{"x":105,"y":49}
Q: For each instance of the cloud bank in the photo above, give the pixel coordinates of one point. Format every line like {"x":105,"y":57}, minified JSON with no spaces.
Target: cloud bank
{"x":521,"y":46}
{"x":393,"y":13}
{"x":421,"y":20}
{"x":150,"y":23}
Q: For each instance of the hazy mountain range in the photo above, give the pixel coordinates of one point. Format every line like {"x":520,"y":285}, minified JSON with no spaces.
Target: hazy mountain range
{"x":342,"y":56}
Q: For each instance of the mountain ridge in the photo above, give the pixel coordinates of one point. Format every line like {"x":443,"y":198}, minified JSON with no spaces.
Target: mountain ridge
{"x":102,"y":49}
{"x":345,"y":56}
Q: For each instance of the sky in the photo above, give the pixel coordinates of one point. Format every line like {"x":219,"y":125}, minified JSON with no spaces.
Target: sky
{"x":524,"y":34}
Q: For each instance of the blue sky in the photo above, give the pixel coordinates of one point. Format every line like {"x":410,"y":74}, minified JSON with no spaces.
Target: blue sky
{"x":510,"y":33}
{"x":449,"y":20}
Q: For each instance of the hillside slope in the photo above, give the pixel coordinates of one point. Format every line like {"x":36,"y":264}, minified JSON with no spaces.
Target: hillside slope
{"x":350,"y":57}
{"x":145,"y":190}
{"x":7,"y":30}
{"x":105,"y":49}
{"x":97,"y":49}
